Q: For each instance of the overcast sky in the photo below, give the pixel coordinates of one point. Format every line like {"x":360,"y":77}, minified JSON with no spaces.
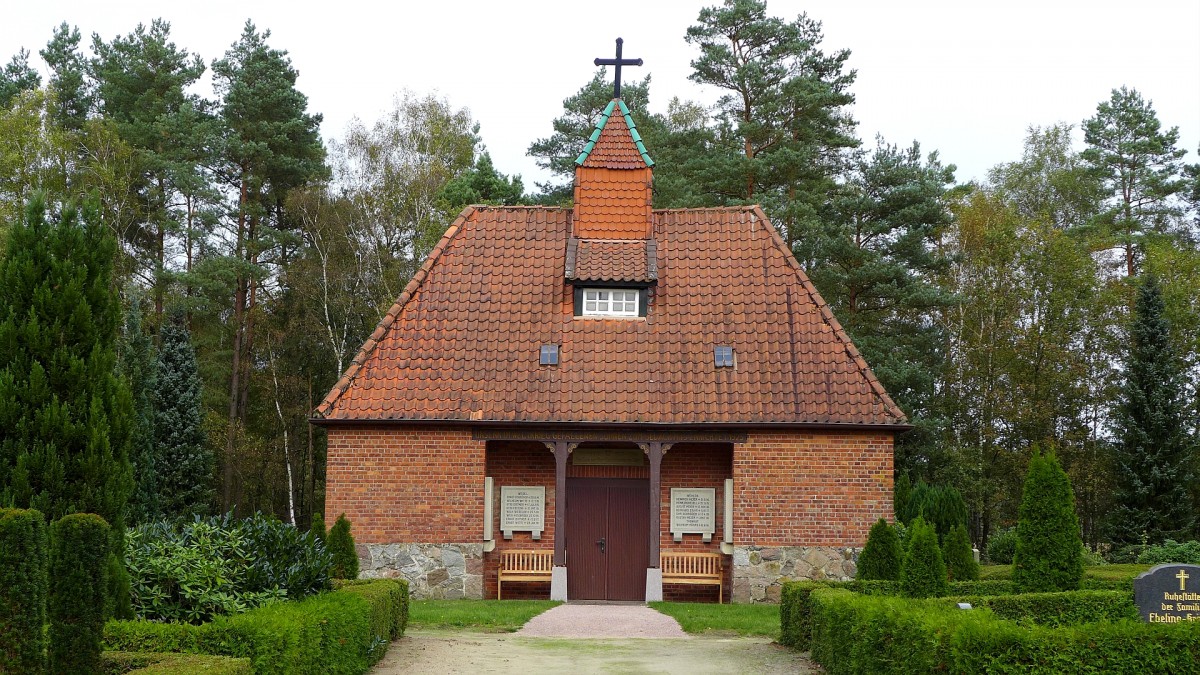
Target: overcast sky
{"x":964,"y":78}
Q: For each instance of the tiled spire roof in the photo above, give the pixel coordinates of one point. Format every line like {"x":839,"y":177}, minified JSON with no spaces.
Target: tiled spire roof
{"x":615,"y":143}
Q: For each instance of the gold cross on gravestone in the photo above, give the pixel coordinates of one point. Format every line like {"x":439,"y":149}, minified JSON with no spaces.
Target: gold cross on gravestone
{"x":1182,"y":577}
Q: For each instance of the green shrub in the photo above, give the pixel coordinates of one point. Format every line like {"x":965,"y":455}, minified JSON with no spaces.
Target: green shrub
{"x":986,"y":587}
{"x":924,"y":572}
{"x":939,"y":505}
{"x":343,"y":631}
{"x":881,"y":557}
{"x":862,"y":634}
{"x":198,"y":570}
{"x":1067,"y":608}
{"x":22,"y":591}
{"x":152,"y":663}
{"x":960,"y":559}
{"x":341,"y":546}
{"x":1048,"y":536}
{"x":79,"y":568}
{"x":795,"y":621}
{"x":900,"y":496}
{"x":1002,"y":546}
{"x":318,"y":527}
{"x":1171,"y":551}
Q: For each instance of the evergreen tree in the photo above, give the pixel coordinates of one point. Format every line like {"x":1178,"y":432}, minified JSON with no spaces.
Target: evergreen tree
{"x":186,"y":466}
{"x":318,"y":527}
{"x":900,"y":496}
{"x":1154,"y":455}
{"x":1049,"y":544}
{"x":341,"y":545}
{"x":483,"y":185}
{"x":67,"y":417}
{"x":960,"y":559}
{"x":17,"y":77}
{"x":137,"y":363}
{"x":924,"y":572}
{"x":1140,"y":167}
{"x":881,"y":558}
{"x":70,"y":98}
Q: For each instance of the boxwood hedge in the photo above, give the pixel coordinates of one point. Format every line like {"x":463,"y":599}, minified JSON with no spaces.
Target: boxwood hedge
{"x":343,"y":631}
{"x":143,"y":663}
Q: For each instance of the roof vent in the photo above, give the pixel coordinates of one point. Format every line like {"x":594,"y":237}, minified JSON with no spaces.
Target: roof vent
{"x":548,"y":356}
{"x":723,"y":356}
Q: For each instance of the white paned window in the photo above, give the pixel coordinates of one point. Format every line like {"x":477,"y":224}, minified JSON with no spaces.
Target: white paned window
{"x":610,"y":302}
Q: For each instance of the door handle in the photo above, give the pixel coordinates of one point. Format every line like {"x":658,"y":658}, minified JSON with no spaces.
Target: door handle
{"x":601,"y":544}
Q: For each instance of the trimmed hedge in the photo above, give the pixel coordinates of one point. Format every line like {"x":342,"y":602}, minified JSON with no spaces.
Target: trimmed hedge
{"x":895,"y":635}
{"x":79,"y":545}
{"x":143,"y":663}
{"x":22,"y":591}
{"x":337,"y":632}
{"x":1070,"y":608}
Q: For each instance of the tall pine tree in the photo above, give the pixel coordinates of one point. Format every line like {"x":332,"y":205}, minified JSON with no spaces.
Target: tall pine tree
{"x":185,"y":474}
{"x":1154,"y":455}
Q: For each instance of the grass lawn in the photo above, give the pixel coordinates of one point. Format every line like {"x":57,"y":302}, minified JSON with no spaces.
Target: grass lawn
{"x":501,"y":616}
{"x":1108,"y":572}
{"x":739,"y":619}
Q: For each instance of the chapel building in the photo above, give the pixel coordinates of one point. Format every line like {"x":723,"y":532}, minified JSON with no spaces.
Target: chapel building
{"x":610,"y":386}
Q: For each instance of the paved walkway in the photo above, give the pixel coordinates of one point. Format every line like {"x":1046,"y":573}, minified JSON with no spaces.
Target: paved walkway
{"x":582,"y":639}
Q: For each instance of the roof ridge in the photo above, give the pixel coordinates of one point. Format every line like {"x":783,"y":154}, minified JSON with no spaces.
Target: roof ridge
{"x":381,"y":329}
{"x":827,"y":314}
{"x":603,"y":122}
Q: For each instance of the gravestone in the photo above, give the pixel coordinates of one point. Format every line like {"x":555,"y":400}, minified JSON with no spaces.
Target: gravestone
{"x":1168,"y":593}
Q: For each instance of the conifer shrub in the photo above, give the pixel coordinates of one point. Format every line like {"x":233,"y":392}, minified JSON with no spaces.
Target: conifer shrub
{"x":341,"y":545}
{"x":924,"y":572}
{"x":881,"y":557}
{"x":318,"y":527}
{"x":79,"y":568}
{"x":900,"y":495}
{"x":1049,"y":544}
{"x":22,"y":591}
{"x":960,"y":560}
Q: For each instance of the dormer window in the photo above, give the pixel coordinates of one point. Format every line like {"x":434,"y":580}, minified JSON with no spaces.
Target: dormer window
{"x":614,"y":302}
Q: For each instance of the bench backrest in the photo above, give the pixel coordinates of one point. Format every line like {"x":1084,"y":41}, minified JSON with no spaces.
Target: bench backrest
{"x":527,"y":561}
{"x":690,"y":564}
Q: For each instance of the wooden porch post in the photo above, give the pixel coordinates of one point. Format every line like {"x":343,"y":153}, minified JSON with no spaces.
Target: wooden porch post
{"x":561,"y":453}
{"x":655,"y":453}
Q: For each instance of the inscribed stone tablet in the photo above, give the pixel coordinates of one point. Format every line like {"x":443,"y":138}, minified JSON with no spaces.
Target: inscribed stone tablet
{"x":693,"y":511}
{"x":1168,"y":594}
{"x":522,"y":509}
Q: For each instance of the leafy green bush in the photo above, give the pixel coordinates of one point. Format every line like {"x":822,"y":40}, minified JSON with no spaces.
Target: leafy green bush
{"x":1171,"y":551}
{"x":1049,"y":541}
{"x":960,"y":559}
{"x":158,"y":663}
{"x":198,"y":570}
{"x":341,"y":546}
{"x":337,"y":632}
{"x":1067,"y":608}
{"x":317,"y":527}
{"x":78,"y":564}
{"x":1002,"y":546}
{"x":22,"y":591}
{"x":881,"y":557}
{"x":924,"y":571}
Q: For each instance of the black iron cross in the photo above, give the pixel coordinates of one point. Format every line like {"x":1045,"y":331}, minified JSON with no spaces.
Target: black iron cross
{"x":618,"y":62}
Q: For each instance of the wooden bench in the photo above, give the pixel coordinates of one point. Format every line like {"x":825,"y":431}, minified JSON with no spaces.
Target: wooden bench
{"x":516,"y":565}
{"x":706,"y":569}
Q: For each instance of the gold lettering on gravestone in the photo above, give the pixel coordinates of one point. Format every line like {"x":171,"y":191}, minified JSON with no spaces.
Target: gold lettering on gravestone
{"x":693,"y":511}
{"x":522,"y":509}
{"x":1157,"y":599}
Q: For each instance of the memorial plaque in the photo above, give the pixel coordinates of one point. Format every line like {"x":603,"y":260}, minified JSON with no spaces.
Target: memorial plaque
{"x":522,"y":509}
{"x":693,"y":511}
{"x":1168,"y":593}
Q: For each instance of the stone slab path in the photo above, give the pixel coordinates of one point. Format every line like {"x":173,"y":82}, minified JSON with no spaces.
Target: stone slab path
{"x":589,"y":639}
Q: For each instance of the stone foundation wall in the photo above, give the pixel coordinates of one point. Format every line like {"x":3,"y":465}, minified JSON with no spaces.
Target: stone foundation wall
{"x":759,"y":571}
{"x":433,"y":571}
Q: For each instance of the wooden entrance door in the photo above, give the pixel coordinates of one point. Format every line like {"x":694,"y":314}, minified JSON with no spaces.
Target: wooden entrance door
{"x":608,"y":538}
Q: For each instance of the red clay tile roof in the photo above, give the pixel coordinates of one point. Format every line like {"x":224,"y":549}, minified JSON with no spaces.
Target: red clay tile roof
{"x":616,"y":147}
{"x":612,"y":260}
{"x":461,"y":342}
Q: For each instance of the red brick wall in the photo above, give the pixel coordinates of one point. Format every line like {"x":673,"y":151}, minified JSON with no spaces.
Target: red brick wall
{"x":515,"y":463}
{"x":694,"y":465}
{"x":811,"y":489}
{"x":406,"y":484}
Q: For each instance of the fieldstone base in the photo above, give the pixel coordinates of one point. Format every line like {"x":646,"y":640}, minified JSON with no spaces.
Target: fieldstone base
{"x":759,"y":572}
{"x":433,"y":571}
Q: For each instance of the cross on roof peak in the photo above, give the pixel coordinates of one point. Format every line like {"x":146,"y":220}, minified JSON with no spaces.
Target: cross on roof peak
{"x":618,"y":62}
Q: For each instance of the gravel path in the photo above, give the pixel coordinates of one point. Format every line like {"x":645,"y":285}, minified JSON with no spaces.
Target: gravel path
{"x":602,"y":621}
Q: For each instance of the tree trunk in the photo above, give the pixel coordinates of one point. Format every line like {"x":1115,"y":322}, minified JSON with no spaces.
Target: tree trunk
{"x":239,"y":311}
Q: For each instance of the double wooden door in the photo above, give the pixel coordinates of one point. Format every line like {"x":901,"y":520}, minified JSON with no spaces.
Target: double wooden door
{"x":608,"y":538}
